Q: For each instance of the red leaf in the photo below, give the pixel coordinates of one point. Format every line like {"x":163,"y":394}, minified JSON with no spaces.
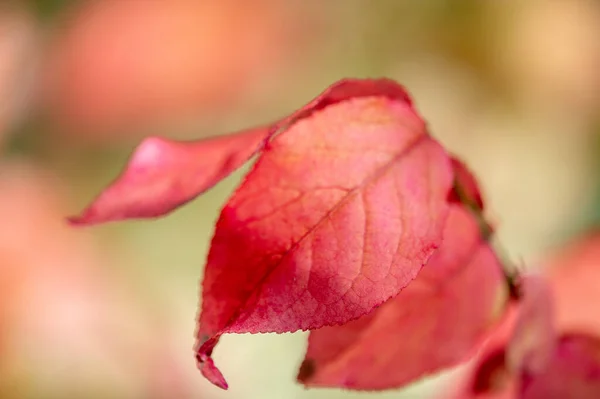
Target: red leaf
{"x":434,"y":323}
{"x":524,"y":347}
{"x":164,"y":174}
{"x":492,"y":378}
{"x":574,"y":369}
{"x":566,"y":368}
{"x":573,"y":372}
{"x":211,"y":372}
{"x":338,"y":215}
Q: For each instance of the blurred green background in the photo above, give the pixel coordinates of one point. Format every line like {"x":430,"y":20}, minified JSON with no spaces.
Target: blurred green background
{"x":511,"y":86}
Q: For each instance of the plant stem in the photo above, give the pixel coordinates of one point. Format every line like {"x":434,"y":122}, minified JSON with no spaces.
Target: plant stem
{"x":510,"y":271}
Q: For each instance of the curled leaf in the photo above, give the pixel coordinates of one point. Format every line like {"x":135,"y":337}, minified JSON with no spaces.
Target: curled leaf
{"x":338,"y":214}
{"x":164,"y":174}
{"x":434,"y":323}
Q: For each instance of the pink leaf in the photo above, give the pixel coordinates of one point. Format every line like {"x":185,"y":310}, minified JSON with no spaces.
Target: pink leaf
{"x":533,"y":340}
{"x":492,"y":379}
{"x":165,"y":174}
{"x":573,"y":372}
{"x":434,"y":323}
{"x":535,"y":364}
{"x":339,"y":214}
{"x":575,"y":277}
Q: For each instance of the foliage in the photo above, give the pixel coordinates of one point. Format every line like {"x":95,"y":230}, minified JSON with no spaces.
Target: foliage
{"x":356,"y":224}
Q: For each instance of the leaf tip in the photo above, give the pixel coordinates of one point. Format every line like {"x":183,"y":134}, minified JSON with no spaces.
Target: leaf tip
{"x":208,"y":369}
{"x":80,"y":220}
{"x":87,"y":217}
{"x":75,"y":221}
{"x":307,"y":370}
{"x":206,"y":365}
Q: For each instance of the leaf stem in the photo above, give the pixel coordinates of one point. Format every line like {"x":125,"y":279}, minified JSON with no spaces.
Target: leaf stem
{"x":510,"y":271}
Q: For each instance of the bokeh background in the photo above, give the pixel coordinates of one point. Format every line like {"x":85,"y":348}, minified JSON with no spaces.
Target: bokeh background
{"x":512,"y":86}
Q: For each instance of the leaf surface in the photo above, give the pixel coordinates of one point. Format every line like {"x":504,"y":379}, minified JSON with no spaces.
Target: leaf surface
{"x":434,"y":323}
{"x":338,"y":214}
{"x":163,"y":174}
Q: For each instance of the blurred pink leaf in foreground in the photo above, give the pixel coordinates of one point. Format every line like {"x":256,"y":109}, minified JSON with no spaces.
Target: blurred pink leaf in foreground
{"x":119,"y":65}
{"x":68,"y":326}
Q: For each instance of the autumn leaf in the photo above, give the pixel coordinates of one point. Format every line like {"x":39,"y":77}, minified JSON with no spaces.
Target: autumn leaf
{"x":436,"y":322}
{"x":547,"y":350}
{"x":339,"y":214}
{"x":164,"y":174}
{"x":161,"y":61}
{"x":492,"y":379}
{"x":573,"y":371}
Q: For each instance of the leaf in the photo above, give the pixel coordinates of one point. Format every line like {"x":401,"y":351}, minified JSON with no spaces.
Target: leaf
{"x":338,"y":214}
{"x":165,"y":174}
{"x":488,"y":377}
{"x":532,"y":344}
{"x":575,"y":277}
{"x":492,"y":378}
{"x":574,"y":368}
{"x":534,"y":364}
{"x":434,"y":323}
{"x":573,"y":372}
